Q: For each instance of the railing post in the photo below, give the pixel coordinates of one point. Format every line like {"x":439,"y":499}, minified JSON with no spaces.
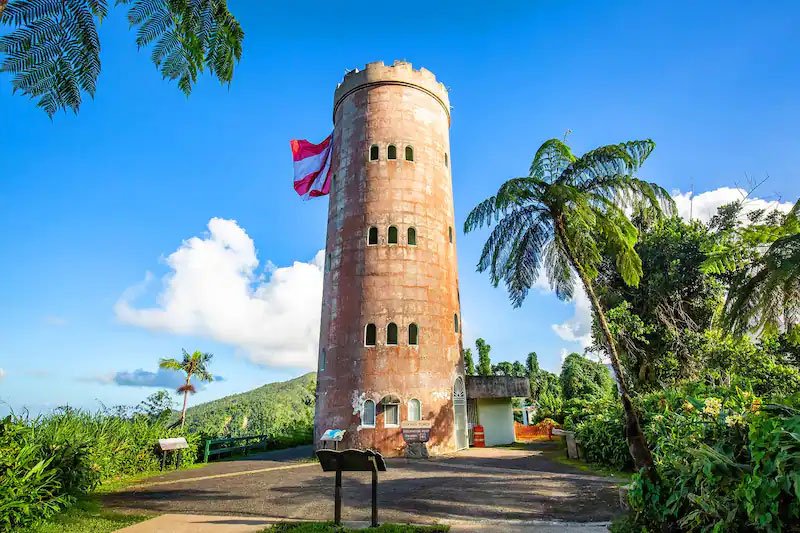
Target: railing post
{"x":207,"y":450}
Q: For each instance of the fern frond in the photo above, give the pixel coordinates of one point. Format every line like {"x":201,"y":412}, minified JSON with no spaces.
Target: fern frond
{"x":53,"y":52}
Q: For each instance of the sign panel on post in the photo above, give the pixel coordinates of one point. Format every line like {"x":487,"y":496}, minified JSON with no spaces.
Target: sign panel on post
{"x":416,"y":431}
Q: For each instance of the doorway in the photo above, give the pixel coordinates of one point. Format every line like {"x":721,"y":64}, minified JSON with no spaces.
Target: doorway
{"x":460,"y":408}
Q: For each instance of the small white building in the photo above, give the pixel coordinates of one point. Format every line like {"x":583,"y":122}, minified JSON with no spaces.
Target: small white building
{"x":489,"y":405}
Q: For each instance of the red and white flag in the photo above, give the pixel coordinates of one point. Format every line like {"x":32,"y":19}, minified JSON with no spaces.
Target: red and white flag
{"x":312,"y":167}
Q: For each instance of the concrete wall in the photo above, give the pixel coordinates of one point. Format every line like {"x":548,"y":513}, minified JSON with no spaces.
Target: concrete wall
{"x":497,"y":418}
{"x":390,"y":283}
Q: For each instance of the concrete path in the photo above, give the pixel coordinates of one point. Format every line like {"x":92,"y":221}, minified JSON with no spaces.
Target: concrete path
{"x":477,"y":488}
{"x":192,"y":523}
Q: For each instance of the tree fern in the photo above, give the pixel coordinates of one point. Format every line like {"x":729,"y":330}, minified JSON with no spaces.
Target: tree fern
{"x":565,"y":216}
{"x":53,"y":49}
{"x":188,"y":36}
{"x":53,"y":53}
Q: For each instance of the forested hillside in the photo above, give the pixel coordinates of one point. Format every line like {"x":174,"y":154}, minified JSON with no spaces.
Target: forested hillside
{"x":283,"y":410}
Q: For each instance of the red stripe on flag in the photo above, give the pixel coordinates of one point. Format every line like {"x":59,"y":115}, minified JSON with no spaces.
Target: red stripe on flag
{"x":304,"y":184}
{"x":301,"y":148}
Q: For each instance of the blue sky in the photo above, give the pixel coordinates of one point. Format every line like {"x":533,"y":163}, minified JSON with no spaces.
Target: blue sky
{"x":91,"y":203}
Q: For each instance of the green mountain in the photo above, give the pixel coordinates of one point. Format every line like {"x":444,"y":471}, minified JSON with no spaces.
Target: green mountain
{"x":282,"y":410}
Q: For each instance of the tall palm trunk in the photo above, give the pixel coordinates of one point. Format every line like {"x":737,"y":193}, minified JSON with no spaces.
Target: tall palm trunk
{"x":185,"y":402}
{"x":637,"y":445}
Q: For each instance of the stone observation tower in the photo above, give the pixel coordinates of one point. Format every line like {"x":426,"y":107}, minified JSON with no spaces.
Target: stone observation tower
{"x":390,"y":339}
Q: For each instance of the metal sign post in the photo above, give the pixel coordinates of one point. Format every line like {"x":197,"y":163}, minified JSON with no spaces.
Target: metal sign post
{"x":352,"y":461}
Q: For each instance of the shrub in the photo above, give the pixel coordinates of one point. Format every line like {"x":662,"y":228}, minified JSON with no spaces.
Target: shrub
{"x":602,"y":439}
{"x":29,"y":486}
{"x":724,"y":460}
{"x":48,"y":461}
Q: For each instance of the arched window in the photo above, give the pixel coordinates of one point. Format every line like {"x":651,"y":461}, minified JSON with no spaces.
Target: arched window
{"x":322,"y":361}
{"x":413,"y":334}
{"x":446,"y":162}
{"x":412,"y":237}
{"x":373,"y":152}
{"x":370,"y":335}
{"x":328,"y":264}
{"x":392,"y":238}
{"x":391,"y":333}
{"x":372,"y":236}
{"x":368,"y":414}
{"x":450,"y":232}
{"x":409,"y":153}
{"x":414,"y":409}
{"x":455,"y":322}
{"x":391,"y":152}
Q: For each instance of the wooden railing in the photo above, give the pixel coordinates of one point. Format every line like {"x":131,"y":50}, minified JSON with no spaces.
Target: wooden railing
{"x":235,"y":445}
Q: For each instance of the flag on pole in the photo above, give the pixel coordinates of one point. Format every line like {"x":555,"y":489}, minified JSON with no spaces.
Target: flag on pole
{"x":312,"y":167}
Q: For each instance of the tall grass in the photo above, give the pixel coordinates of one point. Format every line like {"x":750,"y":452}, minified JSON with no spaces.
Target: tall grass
{"x":48,"y":461}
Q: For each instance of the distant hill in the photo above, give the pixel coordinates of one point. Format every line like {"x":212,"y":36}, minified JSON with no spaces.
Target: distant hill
{"x":282,"y":410}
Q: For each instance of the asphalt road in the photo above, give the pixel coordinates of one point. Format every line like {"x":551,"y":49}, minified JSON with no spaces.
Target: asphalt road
{"x":507,"y":484}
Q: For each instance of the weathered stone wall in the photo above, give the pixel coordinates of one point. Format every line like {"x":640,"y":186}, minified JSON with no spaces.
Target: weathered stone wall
{"x":390,"y":283}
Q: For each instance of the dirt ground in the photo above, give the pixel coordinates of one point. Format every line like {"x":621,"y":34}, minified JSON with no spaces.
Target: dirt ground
{"x":516,"y":484}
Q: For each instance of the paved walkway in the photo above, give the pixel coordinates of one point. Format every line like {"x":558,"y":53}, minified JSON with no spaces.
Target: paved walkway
{"x":475,"y":490}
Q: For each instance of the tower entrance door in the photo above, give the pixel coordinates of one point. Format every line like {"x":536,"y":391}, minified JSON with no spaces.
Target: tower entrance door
{"x":460,"y":407}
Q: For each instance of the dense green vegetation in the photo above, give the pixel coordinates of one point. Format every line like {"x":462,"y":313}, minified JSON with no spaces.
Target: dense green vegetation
{"x":284,"y":411}
{"x":50,"y":462}
{"x":700,"y":323}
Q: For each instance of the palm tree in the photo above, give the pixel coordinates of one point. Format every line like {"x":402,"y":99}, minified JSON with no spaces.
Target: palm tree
{"x":562,"y":217}
{"x":53,"y":50}
{"x":194,"y":365}
{"x":764,"y":295}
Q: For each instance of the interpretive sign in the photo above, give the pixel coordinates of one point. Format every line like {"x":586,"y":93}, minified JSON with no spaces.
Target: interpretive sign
{"x":416,"y":430}
{"x":352,"y":461}
{"x":175,"y":444}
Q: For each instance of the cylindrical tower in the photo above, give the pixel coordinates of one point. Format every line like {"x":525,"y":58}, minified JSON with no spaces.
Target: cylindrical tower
{"x":390,"y":339}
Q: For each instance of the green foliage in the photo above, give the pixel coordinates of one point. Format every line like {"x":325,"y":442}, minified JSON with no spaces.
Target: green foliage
{"x":51,"y":460}
{"x":532,"y":370}
{"x":726,"y":461}
{"x":765,"y":291}
{"x":767,"y":373}
{"x":505,"y":368}
{"x":188,"y":37}
{"x":29,"y":486}
{"x":53,"y":48}
{"x":484,"y":359}
{"x":87,"y":516}
{"x":53,"y":53}
{"x":657,"y":325}
{"x":284,"y":411}
{"x":550,"y":401}
{"x":563,"y":215}
{"x":601,"y":435}
{"x":469,"y":364}
{"x":584,"y":379}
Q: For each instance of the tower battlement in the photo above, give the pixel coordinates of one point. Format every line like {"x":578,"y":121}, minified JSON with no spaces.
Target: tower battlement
{"x":399,"y":73}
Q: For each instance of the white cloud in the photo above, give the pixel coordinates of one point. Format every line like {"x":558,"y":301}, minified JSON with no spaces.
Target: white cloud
{"x":578,"y":328}
{"x":704,"y":205}
{"x":2,"y":374}
{"x":214,"y":291}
